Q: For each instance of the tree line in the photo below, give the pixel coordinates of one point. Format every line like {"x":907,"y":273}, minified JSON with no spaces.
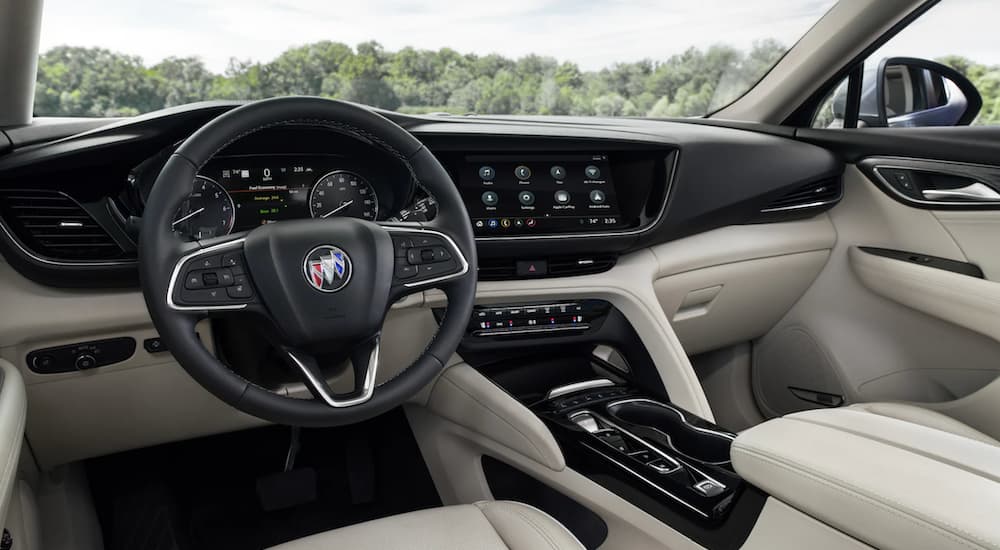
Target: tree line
{"x":74,"y":81}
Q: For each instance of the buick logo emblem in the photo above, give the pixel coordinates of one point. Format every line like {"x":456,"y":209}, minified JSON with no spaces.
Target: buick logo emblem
{"x":327,"y":268}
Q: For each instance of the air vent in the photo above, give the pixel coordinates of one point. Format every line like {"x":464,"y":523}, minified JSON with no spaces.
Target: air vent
{"x":54,"y":226}
{"x":492,"y":269}
{"x":816,"y":195}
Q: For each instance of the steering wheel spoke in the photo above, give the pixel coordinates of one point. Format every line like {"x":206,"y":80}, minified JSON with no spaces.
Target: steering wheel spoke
{"x":424,"y":258}
{"x":364,"y":360}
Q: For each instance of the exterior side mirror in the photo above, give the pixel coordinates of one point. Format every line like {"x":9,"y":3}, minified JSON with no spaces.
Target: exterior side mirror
{"x":909,"y":92}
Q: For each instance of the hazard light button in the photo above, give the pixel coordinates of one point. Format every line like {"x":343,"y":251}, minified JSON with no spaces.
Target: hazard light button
{"x":532,"y":268}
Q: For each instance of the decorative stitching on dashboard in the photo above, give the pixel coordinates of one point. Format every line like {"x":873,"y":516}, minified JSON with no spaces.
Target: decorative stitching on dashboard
{"x":880,"y":502}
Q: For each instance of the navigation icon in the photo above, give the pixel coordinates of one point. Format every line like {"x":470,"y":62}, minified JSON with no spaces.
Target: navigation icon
{"x":558,"y":172}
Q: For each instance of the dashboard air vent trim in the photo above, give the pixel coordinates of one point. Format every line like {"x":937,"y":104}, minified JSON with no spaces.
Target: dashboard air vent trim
{"x":817,"y":194}
{"x":51,"y":227}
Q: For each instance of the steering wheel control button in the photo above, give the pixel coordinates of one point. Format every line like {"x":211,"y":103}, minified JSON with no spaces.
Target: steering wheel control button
{"x":562,"y":197}
{"x":209,"y":262}
{"x":194,"y":281}
{"x":401,"y":245}
{"x":527,"y":198}
{"x":232,"y":260}
{"x":490,"y":198}
{"x":327,"y":268}
{"x":522,"y":172}
{"x":592,"y":172}
{"x":405,"y":271}
{"x":238,"y":291}
{"x":558,"y":173}
{"x":487,"y":173}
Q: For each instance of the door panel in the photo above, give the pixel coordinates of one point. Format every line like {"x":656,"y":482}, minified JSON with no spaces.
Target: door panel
{"x":846,"y":339}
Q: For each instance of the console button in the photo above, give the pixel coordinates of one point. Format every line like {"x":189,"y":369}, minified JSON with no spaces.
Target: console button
{"x":661,"y":465}
{"x":645,"y":456}
{"x":154,"y":345}
{"x":531,"y":268}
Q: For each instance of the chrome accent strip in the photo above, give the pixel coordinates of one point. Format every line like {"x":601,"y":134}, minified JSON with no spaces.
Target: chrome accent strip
{"x":416,"y":230}
{"x":484,"y":333}
{"x":793,"y":207}
{"x":625,"y":232}
{"x":646,"y":480}
{"x":180,"y":263}
{"x":967,"y":170}
{"x":578,"y":386}
{"x":979,"y":192}
{"x":367,"y":388}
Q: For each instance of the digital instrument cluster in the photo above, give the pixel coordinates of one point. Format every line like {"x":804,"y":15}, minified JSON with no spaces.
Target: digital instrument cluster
{"x":239,"y":193}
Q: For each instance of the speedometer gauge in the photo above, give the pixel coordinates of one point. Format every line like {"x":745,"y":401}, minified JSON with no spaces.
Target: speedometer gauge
{"x":343,"y":193}
{"x":207,"y":212}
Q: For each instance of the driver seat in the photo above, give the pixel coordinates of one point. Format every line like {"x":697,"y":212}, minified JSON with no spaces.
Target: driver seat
{"x":493,"y":525}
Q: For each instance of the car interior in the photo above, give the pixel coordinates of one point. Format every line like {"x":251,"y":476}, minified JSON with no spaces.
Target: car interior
{"x":306,"y":323}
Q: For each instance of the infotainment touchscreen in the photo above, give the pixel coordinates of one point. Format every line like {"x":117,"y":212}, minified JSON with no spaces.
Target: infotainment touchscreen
{"x":539,"y":194}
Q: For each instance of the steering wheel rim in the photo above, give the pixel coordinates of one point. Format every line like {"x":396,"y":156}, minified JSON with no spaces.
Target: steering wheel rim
{"x":162,"y":254}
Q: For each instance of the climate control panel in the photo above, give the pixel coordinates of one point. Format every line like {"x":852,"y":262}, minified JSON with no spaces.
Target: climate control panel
{"x":542,"y":318}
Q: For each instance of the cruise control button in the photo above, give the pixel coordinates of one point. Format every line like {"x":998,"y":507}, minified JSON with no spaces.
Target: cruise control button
{"x":225,"y":277}
{"x":440,"y":254}
{"x":231,"y":260}
{"x":239,"y":291}
{"x":208,"y":262}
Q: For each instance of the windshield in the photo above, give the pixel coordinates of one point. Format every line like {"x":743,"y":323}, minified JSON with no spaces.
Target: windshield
{"x":667,"y":58}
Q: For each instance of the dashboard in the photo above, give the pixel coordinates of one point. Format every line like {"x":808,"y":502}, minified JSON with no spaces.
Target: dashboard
{"x":563,"y":196}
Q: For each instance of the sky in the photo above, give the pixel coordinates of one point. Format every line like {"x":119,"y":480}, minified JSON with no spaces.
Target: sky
{"x":592,"y":33}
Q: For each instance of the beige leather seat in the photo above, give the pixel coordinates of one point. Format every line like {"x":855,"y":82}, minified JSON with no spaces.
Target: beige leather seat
{"x":925,"y":417}
{"x":496,"y":525}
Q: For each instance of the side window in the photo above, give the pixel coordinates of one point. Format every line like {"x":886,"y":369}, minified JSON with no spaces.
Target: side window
{"x":951,"y":79}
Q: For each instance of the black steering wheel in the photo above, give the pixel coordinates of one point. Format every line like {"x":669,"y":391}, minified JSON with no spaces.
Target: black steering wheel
{"x":322,"y":284}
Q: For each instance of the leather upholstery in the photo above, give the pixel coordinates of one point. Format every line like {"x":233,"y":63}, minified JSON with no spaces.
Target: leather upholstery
{"x":13,"y":411}
{"x":496,"y":525}
{"x":892,"y":476}
{"x":925,"y":417}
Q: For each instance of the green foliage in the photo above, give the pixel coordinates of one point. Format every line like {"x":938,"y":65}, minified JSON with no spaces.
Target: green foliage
{"x":987,"y":81}
{"x":97,"y":82}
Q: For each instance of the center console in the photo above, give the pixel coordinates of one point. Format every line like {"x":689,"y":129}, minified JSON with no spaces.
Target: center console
{"x":613,"y":430}
{"x":580,"y":369}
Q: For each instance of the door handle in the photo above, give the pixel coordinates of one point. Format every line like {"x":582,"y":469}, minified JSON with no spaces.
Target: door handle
{"x":974,"y":192}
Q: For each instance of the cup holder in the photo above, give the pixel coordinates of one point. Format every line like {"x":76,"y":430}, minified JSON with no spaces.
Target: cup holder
{"x":671,"y":427}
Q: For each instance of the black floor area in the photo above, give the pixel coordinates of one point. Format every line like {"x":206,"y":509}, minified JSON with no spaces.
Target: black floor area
{"x":202,"y":494}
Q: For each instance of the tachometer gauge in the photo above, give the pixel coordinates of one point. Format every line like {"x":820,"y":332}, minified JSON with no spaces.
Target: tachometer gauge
{"x":207,"y":212}
{"x":343,"y":193}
